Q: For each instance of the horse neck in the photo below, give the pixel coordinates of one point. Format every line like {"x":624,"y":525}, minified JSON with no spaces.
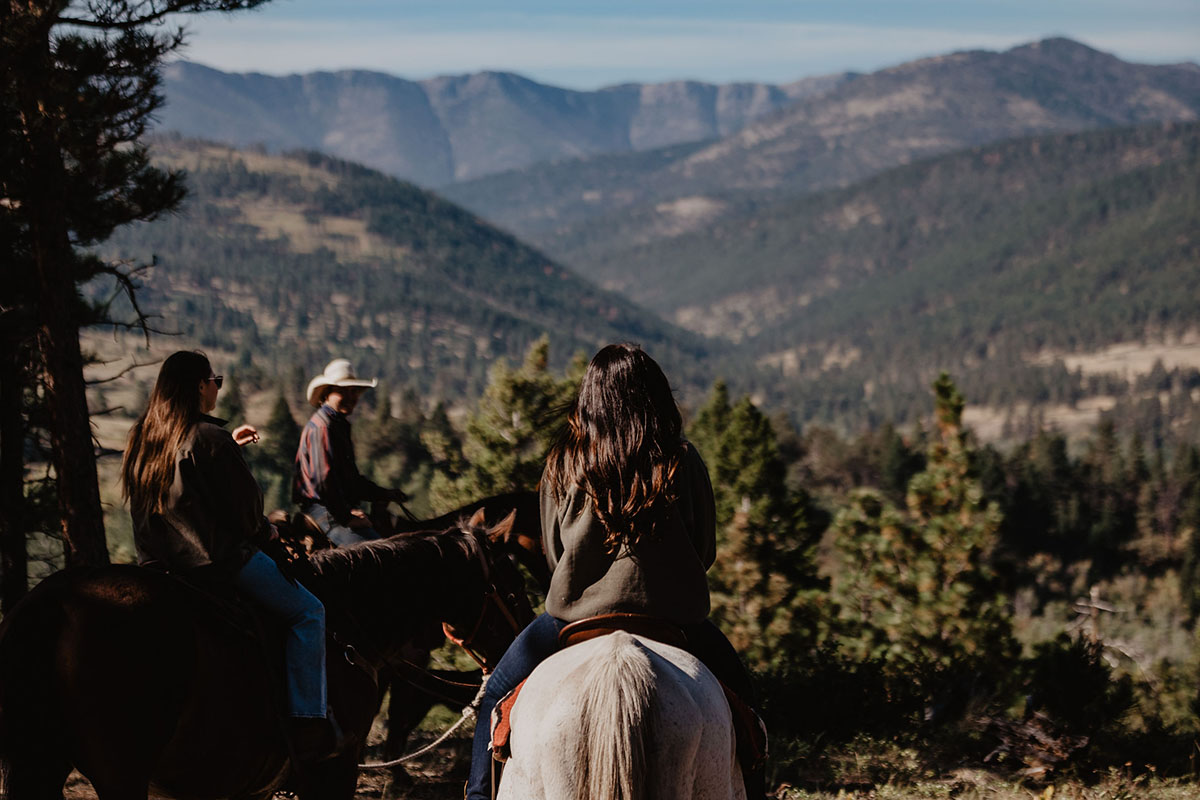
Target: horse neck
{"x":393,"y":588}
{"x":526,"y":505}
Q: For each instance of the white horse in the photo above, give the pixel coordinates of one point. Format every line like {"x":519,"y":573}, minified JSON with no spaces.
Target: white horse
{"x":621,"y":717}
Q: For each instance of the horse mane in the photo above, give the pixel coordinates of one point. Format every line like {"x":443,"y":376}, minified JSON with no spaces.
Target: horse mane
{"x":616,"y":744}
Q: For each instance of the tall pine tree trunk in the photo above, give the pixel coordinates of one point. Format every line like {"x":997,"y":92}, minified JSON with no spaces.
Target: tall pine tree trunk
{"x":14,"y":569}
{"x":74,"y":455}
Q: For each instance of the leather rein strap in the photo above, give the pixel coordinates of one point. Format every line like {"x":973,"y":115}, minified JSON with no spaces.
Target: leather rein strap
{"x":491,"y":596}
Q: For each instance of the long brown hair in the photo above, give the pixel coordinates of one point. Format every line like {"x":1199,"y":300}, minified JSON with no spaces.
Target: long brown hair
{"x":622,"y":443}
{"x":148,"y":469}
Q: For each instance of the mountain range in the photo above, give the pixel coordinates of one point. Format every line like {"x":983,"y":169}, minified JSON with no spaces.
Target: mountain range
{"x":585,"y":210}
{"x":1011,"y":217}
{"x":458,"y":127}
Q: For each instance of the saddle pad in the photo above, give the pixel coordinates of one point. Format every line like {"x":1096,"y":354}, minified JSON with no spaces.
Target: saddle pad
{"x":502,"y":724}
{"x":749,"y":730}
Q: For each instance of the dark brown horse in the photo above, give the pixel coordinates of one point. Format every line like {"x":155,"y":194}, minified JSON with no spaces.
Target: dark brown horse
{"x":138,"y":681}
{"x":522,"y":539}
{"x":409,"y":697}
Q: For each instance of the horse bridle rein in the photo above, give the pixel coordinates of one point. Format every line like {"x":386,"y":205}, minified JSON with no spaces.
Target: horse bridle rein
{"x":492,"y":596}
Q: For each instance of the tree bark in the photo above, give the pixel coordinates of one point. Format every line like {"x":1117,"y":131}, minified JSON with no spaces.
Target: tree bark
{"x":53,"y":258}
{"x":14,"y":561}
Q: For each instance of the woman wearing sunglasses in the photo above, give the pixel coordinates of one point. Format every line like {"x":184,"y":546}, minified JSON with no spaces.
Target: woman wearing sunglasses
{"x":197,"y":510}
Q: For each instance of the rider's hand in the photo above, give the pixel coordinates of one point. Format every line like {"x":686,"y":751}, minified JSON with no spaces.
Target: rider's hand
{"x":358,"y":519}
{"x":245,"y":434}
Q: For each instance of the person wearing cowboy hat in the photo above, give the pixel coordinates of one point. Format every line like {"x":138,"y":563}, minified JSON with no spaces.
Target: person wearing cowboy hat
{"x":327,"y":484}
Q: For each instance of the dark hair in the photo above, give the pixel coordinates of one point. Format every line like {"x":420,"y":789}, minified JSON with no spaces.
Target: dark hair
{"x":148,"y":469}
{"x":622,"y":443}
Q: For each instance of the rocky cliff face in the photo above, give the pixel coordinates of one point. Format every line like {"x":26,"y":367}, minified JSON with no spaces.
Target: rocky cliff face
{"x":458,"y":127}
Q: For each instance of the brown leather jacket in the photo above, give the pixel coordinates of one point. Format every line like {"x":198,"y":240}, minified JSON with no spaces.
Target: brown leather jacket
{"x":214,"y":515}
{"x":663,"y":576}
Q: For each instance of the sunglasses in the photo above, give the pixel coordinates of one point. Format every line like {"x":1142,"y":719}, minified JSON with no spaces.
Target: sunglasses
{"x":217,"y":379}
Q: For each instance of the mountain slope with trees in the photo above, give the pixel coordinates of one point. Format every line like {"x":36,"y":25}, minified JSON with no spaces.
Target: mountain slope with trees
{"x":287,"y":262}
{"x":993,"y":263}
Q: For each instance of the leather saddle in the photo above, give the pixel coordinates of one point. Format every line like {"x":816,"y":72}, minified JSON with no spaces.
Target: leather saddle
{"x":750,"y":732}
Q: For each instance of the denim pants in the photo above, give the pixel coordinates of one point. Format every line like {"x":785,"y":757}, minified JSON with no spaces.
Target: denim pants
{"x":539,"y":641}
{"x":340,"y":535}
{"x":532,"y":646}
{"x":304,"y":615}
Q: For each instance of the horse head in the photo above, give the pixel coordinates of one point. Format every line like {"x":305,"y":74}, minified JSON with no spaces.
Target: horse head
{"x":487,"y":623}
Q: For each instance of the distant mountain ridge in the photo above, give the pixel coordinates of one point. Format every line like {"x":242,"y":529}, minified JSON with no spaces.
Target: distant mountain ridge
{"x":856,"y":129}
{"x":458,"y":127}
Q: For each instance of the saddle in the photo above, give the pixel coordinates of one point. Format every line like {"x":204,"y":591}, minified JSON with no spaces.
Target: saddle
{"x":749,"y":730}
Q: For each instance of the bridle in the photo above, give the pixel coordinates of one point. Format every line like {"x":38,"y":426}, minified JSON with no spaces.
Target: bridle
{"x":492,"y":598}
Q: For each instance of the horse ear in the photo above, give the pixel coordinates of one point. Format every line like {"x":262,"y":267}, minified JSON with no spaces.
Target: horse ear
{"x":502,"y":529}
{"x":477,"y":519}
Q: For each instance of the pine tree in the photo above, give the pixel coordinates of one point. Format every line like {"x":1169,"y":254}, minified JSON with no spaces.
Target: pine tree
{"x":1185,"y":471}
{"x":507,"y":438}
{"x":914,"y":584}
{"x":231,"y":406}
{"x":390,"y":448}
{"x":78,"y":86}
{"x":764,"y":585}
{"x":273,"y":457}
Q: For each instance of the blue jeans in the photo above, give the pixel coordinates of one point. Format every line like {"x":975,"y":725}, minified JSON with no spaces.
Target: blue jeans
{"x":539,"y":641}
{"x":304,"y":615}
{"x":340,"y":535}
{"x":532,"y":646}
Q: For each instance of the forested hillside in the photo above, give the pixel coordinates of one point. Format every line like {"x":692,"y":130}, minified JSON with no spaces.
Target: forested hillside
{"x":1009,"y":265}
{"x":1002,"y":264}
{"x":287,"y":262}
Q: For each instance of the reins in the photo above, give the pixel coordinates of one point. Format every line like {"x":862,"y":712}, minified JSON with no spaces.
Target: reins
{"x":407,"y":513}
{"x":467,"y":713}
{"x":492,"y":596}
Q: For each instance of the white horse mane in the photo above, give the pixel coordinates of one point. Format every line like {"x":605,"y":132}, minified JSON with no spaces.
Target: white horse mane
{"x":617,"y":742}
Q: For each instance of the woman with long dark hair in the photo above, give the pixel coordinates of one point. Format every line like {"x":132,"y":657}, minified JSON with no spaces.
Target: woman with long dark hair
{"x":197,"y":510}
{"x":628,"y":525}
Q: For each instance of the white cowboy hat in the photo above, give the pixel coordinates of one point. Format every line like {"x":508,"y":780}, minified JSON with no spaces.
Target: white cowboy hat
{"x":337,"y":373}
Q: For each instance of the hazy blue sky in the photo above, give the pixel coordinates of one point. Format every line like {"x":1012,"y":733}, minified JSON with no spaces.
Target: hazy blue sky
{"x":590,"y":44}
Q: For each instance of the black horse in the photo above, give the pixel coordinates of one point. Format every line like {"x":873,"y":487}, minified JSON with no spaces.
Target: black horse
{"x":138,"y":681}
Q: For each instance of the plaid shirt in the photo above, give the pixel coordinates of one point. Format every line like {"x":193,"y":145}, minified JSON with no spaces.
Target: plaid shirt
{"x":325,"y":470}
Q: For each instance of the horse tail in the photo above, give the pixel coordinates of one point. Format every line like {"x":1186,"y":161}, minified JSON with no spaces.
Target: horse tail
{"x":616,"y":742}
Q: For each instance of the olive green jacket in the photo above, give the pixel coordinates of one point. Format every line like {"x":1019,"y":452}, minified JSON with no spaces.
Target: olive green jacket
{"x":663,"y":575}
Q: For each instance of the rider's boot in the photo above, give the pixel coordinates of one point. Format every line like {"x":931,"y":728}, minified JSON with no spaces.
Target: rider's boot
{"x":316,"y":738}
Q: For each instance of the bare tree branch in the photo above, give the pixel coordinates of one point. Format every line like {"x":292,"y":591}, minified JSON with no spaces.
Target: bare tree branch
{"x":126,"y":370}
{"x":106,"y":411}
{"x":127,"y":284}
